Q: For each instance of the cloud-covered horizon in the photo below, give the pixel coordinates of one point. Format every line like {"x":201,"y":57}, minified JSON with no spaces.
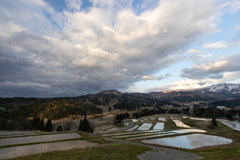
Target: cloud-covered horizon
{"x":108,"y":45}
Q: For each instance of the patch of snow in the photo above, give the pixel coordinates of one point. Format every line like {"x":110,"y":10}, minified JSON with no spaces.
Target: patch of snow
{"x":223,"y":87}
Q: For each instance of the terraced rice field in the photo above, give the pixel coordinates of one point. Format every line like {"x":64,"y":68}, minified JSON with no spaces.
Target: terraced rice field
{"x":147,"y":133}
{"x":159,"y":126}
{"x":35,"y":144}
{"x":191,"y":141}
{"x":162,"y":119}
{"x":180,"y":124}
{"x":145,"y":126}
{"x":232,"y":124}
{"x":133,"y":128}
{"x":42,"y":138}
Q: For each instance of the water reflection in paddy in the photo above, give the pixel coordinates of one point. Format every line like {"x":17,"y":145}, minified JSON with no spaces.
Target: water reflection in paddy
{"x":159,"y":126}
{"x":190,"y":141}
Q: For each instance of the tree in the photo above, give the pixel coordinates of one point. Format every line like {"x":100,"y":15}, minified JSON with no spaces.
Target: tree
{"x":49,"y":126}
{"x":84,"y":125}
{"x":35,"y":122}
{"x":214,"y":122}
{"x":59,"y":128}
{"x":41,"y":125}
{"x":80,"y":125}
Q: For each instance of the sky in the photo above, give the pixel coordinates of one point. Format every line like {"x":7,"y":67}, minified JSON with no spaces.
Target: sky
{"x":56,"y":48}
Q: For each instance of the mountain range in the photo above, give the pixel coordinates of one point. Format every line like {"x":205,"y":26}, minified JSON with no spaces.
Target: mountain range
{"x":56,"y":108}
{"x":223,"y":87}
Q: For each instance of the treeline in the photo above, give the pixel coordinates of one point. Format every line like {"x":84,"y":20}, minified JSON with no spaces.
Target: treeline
{"x":54,"y":110}
{"x":213,"y":112}
{"x":39,"y":124}
{"x":134,"y":104}
{"x":148,"y":112}
{"x":120,"y":117}
{"x":15,"y":123}
{"x":23,"y":124}
{"x":227,"y":103}
{"x":130,"y":105}
{"x":85,"y":126}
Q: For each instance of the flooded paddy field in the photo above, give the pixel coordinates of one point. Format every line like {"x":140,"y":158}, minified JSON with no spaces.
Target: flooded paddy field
{"x":190,"y":141}
{"x":232,"y":124}
{"x":159,"y":126}
{"x":145,"y":126}
{"x":41,"y":138}
{"x":181,"y":124}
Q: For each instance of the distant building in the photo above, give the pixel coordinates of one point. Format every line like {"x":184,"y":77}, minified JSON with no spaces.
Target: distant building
{"x":236,"y":116}
{"x":191,"y":109}
{"x":221,"y":107}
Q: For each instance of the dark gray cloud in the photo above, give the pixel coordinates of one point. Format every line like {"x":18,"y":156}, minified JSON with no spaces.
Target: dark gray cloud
{"x":46,"y":53}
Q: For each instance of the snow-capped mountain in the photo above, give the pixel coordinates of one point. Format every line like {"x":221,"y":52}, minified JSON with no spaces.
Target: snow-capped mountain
{"x":224,"y":87}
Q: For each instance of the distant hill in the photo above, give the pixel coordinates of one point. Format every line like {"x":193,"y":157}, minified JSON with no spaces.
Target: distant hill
{"x":216,"y":92}
{"x":223,"y":87}
{"x":56,"y":108}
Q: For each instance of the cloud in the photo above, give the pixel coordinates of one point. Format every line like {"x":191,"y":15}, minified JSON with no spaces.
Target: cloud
{"x":108,"y":46}
{"x":213,"y":69}
{"x":74,"y":4}
{"x":151,"y":78}
{"x":189,"y":84}
{"x":193,"y":51}
{"x":232,"y":6}
{"x":124,"y":69}
{"x":217,"y":45}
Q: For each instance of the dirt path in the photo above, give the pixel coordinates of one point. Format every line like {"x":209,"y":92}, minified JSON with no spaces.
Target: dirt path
{"x":162,"y":153}
{"x":20,"y":151}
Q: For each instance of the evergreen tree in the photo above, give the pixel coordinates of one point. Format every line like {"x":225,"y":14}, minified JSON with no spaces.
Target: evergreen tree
{"x":35,"y":122}
{"x":41,"y":125}
{"x":80,"y":125}
{"x":214,"y":122}
{"x":49,"y":126}
{"x":59,"y":128}
{"x":85,"y":126}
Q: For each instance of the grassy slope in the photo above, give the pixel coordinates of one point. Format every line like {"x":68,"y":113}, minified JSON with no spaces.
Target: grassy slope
{"x":223,"y":152}
{"x":93,"y":138}
{"x":112,"y":151}
{"x":169,"y":124}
